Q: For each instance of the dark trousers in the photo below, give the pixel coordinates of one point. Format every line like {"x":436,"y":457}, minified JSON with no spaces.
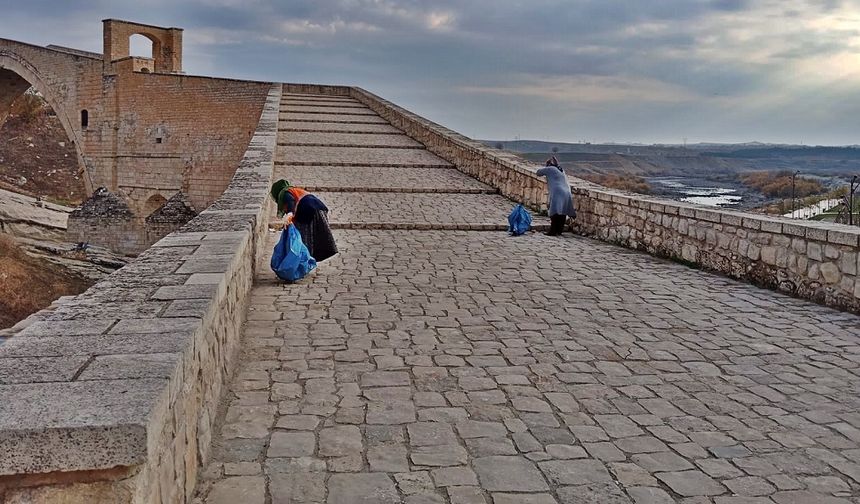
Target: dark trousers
{"x":556,"y":224}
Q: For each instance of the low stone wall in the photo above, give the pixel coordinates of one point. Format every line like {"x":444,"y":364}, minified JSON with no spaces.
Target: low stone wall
{"x":111,"y":397}
{"x":813,"y":260}
{"x":808,"y":259}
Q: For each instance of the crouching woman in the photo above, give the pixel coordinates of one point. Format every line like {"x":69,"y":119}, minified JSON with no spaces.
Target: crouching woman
{"x":310,"y":216}
{"x":560,"y":198}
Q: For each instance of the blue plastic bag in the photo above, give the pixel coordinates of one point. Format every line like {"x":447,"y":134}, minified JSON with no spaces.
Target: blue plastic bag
{"x":291,"y":259}
{"x":520,"y":221}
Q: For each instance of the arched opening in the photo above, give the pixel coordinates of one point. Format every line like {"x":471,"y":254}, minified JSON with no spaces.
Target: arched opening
{"x":154,"y":202}
{"x":53,"y":166}
{"x":141,"y":46}
{"x":85,"y":118}
{"x":37,"y":155}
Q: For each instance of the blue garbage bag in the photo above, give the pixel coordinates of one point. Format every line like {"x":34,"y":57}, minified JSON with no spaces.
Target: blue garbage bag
{"x":291,"y":259}
{"x":520,"y":221}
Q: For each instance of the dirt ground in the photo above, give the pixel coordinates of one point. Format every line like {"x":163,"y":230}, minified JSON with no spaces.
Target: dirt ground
{"x":37,"y":159}
{"x":29,"y":285}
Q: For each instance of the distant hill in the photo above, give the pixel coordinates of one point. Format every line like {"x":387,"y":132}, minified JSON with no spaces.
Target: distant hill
{"x":791,"y":152}
{"x":702,"y":159}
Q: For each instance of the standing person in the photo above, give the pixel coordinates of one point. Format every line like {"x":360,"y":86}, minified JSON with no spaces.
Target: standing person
{"x":310,"y":216}
{"x":560,"y":200}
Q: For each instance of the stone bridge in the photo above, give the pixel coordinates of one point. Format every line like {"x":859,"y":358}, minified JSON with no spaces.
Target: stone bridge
{"x":141,"y":128}
{"x":436,"y":359}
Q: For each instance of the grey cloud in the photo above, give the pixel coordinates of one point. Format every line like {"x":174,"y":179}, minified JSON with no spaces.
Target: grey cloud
{"x":425,"y":54}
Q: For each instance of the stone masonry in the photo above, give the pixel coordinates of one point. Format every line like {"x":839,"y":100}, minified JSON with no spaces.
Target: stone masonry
{"x":141,"y":128}
{"x":470,"y":367}
{"x":436,"y":359}
{"x":814,"y":260}
{"x":111,"y":397}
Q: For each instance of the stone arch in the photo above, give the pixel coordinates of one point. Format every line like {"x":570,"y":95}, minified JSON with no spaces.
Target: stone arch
{"x":152,"y":204}
{"x":154,"y":45}
{"x":166,"y":43}
{"x":13,"y":65}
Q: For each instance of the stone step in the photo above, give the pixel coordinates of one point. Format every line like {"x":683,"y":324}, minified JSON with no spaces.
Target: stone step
{"x":312,"y":130}
{"x":346,"y":127}
{"x":323,"y":104}
{"x":405,"y":190}
{"x":358,"y":156}
{"x":364,"y":210}
{"x":348,"y":140}
{"x":304,"y":96}
{"x":415,"y":226}
{"x":348,"y":111}
{"x":331,"y":118}
{"x":370,"y":179}
{"x":348,"y":164}
{"x":352,"y":145}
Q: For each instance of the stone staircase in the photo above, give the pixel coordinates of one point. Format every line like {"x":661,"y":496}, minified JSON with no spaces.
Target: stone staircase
{"x":373,"y":176}
{"x":469,"y":367}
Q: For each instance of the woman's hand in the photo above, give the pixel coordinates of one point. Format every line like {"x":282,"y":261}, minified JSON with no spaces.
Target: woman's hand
{"x":288,"y":219}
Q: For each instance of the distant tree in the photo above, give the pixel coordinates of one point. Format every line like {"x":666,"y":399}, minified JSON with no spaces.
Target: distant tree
{"x":623,"y":182}
{"x":778,"y":184}
{"x":500,"y":145}
{"x":554,"y":150}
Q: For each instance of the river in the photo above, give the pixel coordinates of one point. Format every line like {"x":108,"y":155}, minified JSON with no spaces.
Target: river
{"x":703,"y":192}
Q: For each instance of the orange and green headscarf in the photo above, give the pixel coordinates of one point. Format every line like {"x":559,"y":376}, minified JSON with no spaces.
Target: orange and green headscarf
{"x":283,"y":193}
{"x":278,"y":194}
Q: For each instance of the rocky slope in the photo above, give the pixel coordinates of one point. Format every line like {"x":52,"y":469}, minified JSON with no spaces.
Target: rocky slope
{"x":37,"y":159}
{"x":37,"y":267}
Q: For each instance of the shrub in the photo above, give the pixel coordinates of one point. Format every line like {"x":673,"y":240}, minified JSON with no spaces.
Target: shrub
{"x":29,"y":106}
{"x":778,"y":184}
{"x":630,"y":183}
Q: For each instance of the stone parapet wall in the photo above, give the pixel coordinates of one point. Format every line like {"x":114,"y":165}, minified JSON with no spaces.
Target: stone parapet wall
{"x":812,"y":260}
{"x":111,"y":397}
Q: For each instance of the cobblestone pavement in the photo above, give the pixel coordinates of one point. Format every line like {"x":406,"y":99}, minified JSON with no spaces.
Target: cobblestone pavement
{"x":417,"y":210}
{"x":470,"y":367}
{"x":364,"y":178}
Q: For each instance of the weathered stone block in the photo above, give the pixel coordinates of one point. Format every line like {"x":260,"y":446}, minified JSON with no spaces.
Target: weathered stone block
{"x":752,"y":223}
{"x":830,"y":272}
{"x":798,"y":230}
{"x":754,"y":252}
{"x":846,"y":236}
{"x":814,"y":251}
{"x":831,"y":252}
{"x":771,"y":225}
{"x":768,"y":255}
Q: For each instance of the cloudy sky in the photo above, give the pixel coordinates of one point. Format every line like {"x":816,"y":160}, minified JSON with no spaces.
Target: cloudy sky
{"x":567,"y":70}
